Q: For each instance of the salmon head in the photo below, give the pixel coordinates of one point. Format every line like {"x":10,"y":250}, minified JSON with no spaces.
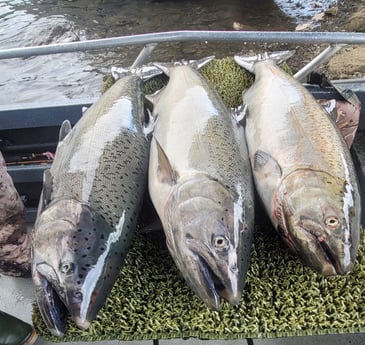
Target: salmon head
{"x":318,"y":216}
{"x":74,"y":263}
{"x":207,"y":239}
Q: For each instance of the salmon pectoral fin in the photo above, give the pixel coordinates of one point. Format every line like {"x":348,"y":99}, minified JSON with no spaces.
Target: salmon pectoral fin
{"x":165,"y":173}
{"x":265,"y":165}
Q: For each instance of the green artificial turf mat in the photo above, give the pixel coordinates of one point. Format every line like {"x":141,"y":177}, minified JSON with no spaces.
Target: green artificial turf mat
{"x":282,"y":297}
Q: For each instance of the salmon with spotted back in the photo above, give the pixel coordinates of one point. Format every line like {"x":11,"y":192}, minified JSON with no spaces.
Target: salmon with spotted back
{"x":201,"y":185}
{"x":302,"y":168}
{"x":89,"y":206}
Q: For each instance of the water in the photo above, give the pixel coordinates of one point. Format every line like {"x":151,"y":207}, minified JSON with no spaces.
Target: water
{"x":56,"y":78}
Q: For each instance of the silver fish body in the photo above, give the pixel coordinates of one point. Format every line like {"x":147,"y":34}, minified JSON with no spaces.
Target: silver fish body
{"x":302,"y":169}
{"x":89,"y":207}
{"x":201,"y":186}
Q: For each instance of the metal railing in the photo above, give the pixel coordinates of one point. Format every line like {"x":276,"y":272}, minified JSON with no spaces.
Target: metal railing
{"x":336,"y":41}
{"x":178,"y":36}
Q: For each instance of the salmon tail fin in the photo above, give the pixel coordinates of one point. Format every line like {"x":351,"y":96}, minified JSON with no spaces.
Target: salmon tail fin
{"x":164,"y":67}
{"x":196,"y":64}
{"x":145,"y":72}
{"x":248,"y":62}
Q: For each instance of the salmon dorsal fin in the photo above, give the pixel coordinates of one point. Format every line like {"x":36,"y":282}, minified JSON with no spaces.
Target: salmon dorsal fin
{"x":64,"y":130}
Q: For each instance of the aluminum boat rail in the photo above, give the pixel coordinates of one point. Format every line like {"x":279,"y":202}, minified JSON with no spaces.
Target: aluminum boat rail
{"x":178,"y":36}
{"x":336,"y":41}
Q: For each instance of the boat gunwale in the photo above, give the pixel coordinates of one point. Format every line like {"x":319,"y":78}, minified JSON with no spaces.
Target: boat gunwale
{"x":187,"y":35}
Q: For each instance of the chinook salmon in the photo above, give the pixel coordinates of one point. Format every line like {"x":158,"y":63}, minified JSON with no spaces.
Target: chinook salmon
{"x":201,"y":185}
{"x":302,"y":168}
{"x":89,"y":206}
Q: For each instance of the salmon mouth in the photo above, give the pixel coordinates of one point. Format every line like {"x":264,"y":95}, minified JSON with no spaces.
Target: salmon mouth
{"x":332,"y":266}
{"x":215,"y":286}
{"x":212,"y":284}
{"x":209,"y":274}
{"x":51,"y":307}
{"x":327,"y":251}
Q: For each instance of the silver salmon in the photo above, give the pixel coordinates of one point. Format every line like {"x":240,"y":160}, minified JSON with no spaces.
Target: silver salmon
{"x":89,"y":206}
{"x":201,"y":185}
{"x":302,"y":168}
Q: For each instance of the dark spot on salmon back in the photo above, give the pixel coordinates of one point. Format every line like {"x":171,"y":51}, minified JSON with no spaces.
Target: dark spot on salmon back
{"x":126,"y":178}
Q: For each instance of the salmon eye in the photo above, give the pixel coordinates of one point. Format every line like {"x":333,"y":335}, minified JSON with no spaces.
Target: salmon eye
{"x":220,"y":242}
{"x":332,"y":222}
{"x":67,"y":267}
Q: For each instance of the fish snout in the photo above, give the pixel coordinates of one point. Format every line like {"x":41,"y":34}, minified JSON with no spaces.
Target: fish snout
{"x":82,"y":323}
{"x":343,"y":255}
{"x":232,"y":290}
